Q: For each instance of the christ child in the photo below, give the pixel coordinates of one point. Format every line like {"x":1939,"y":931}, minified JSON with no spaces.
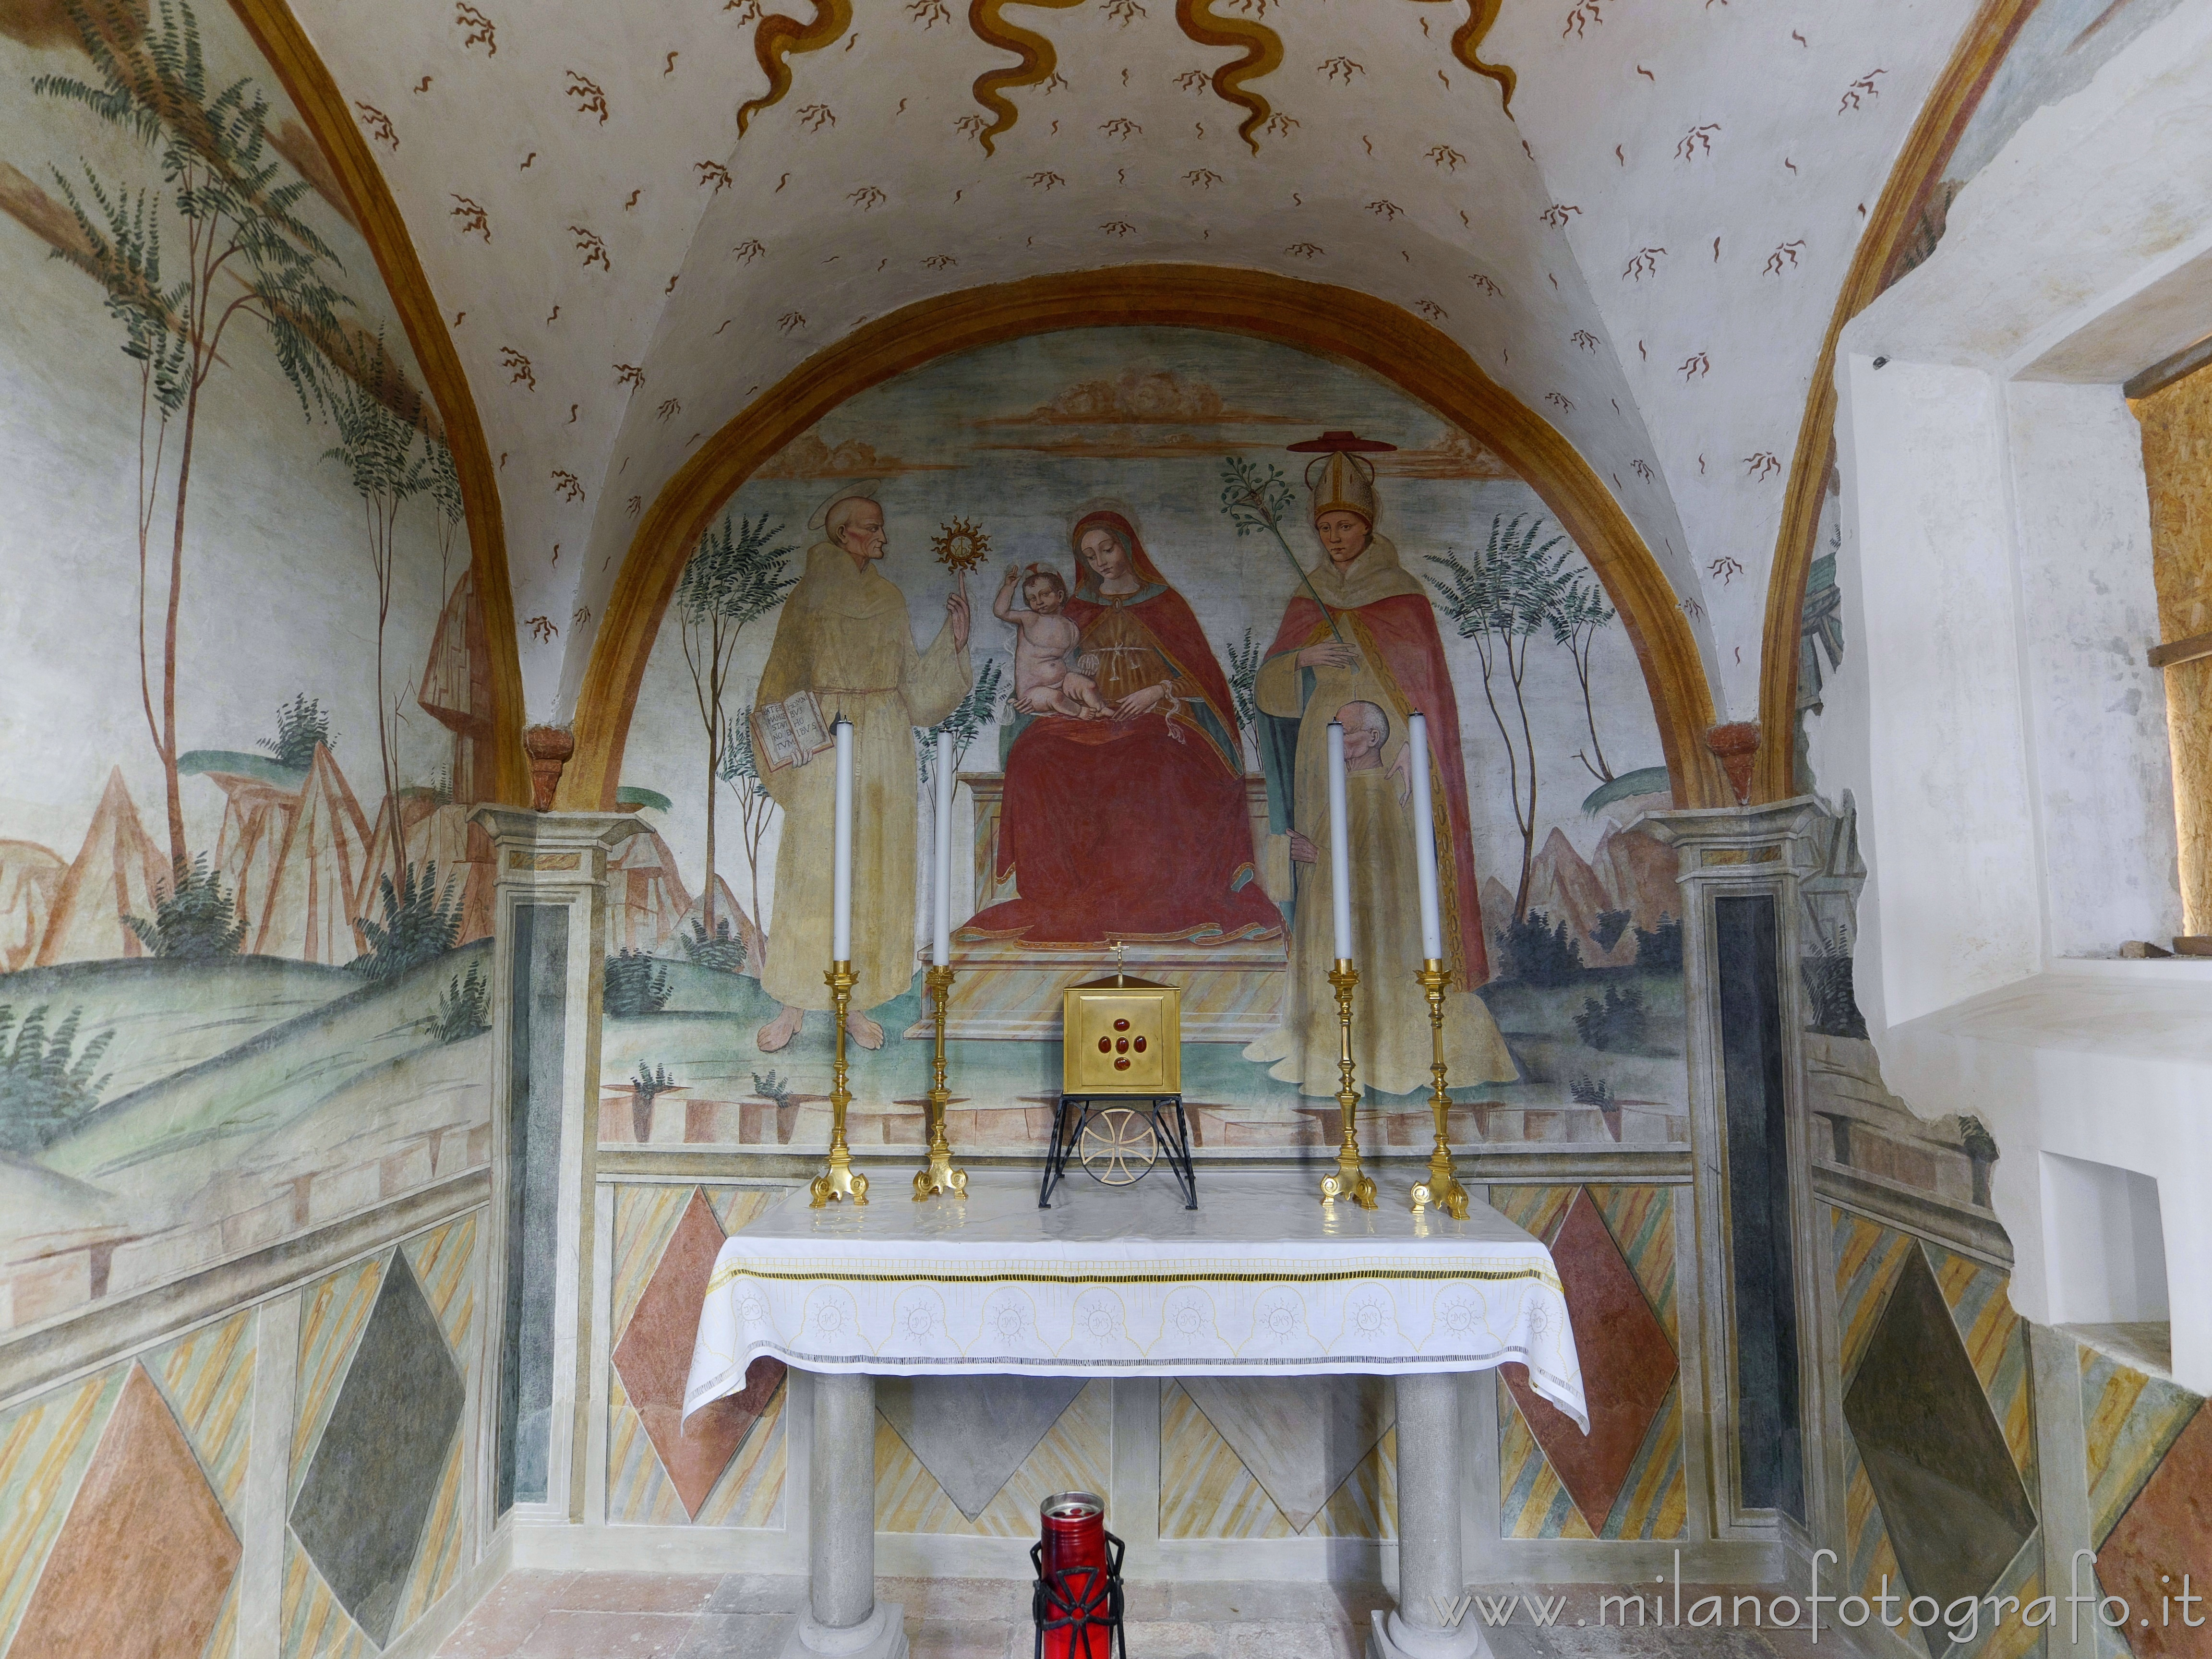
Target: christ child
{"x":1049,"y":677}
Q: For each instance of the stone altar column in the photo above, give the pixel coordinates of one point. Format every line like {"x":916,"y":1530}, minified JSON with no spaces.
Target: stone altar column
{"x":843,"y":1620}
{"x":1430,"y":1575}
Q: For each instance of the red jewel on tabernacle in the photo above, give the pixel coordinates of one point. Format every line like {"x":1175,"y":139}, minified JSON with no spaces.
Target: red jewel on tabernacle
{"x":1120,"y":1024}
{"x":1120,"y":1065}
{"x":1105,"y":1045}
{"x":1141,"y":1045}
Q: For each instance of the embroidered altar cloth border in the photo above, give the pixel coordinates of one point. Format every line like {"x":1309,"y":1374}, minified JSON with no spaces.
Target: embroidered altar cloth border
{"x":1260,"y":1281}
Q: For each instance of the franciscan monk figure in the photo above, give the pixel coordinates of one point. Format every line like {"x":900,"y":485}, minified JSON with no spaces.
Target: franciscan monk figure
{"x":843,"y":635}
{"x":1388,"y":663}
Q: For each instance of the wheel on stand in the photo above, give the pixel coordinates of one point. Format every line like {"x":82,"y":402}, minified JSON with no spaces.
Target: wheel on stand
{"x":1119,"y":1145}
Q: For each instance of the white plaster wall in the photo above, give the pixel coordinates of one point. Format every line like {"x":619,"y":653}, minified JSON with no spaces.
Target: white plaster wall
{"x":1944,"y":780}
{"x":1994,"y":718}
{"x":2095,"y":199}
{"x":2096,"y":708}
{"x":2104,"y":1061}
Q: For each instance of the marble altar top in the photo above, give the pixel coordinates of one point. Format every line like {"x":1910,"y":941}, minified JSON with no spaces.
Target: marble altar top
{"x":1260,"y":1279}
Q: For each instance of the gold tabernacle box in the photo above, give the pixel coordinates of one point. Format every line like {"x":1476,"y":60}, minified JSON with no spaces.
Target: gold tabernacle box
{"x":1121,"y":1037}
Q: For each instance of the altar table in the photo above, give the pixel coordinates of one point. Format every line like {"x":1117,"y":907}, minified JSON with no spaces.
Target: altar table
{"x":1260,"y":1281}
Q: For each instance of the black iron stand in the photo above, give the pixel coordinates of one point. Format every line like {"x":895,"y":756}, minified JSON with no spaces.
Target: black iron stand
{"x":1169,"y":1124}
{"x":1083,"y":1600}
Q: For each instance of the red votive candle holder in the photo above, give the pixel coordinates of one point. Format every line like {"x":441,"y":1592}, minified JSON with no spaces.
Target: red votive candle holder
{"x":1074,"y":1559}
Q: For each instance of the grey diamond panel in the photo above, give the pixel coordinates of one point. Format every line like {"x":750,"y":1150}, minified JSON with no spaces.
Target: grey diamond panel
{"x":971,"y":1433}
{"x":1301,"y":1437}
{"x":360,"y":1511}
{"x":1950,"y":1494}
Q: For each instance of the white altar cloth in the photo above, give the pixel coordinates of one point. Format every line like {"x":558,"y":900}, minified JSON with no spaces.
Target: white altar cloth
{"x":1260,"y":1280}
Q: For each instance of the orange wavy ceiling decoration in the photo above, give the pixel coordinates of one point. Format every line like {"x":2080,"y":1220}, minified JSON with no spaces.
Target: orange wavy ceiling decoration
{"x":1263,"y":55}
{"x":779,"y":37}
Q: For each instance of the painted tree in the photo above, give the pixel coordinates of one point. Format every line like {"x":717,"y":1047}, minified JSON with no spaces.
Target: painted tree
{"x":1500,"y":599}
{"x":757,"y":810}
{"x":445,"y":486}
{"x":224,"y":196}
{"x":376,"y":447}
{"x":966,"y":722}
{"x":733,"y":577}
{"x":964,"y":725}
{"x":1579,"y":614}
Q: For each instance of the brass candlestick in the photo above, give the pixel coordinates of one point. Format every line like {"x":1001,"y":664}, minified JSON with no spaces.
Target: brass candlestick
{"x":1441,"y":1188}
{"x":939,"y":1176}
{"x":841,"y":1179}
{"x":1350,"y":1181}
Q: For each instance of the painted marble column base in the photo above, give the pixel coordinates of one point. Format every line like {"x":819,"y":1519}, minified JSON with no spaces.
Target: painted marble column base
{"x":881,"y":1635}
{"x":1394,"y":1637}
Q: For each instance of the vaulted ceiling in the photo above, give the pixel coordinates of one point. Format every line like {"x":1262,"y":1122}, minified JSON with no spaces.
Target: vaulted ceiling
{"x":1646,"y":247}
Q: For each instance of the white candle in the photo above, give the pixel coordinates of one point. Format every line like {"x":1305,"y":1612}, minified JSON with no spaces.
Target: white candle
{"x":840,"y":902}
{"x":1425,"y":840}
{"x":941,"y":949}
{"x":1339,"y":850}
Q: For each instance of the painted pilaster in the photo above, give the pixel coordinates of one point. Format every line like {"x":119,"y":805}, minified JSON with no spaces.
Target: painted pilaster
{"x":1748,"y":852}
{"x":551,"y":931}
{"x":2061,"y":1465}
{"x":268,"y":1472}
{"x":1133,"y":1508}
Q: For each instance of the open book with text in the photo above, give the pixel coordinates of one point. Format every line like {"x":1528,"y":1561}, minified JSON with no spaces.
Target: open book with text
{"x":790,"y":732}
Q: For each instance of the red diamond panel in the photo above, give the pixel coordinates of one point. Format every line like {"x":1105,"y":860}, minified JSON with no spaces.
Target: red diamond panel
{"x":2166,"y":1533}
{"x":142,"y":1564}
{"x":1628,"y":1365}
{"x":653,"y":1360}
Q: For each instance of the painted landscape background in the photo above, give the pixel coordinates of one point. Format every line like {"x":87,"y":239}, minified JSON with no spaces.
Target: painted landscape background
{"x":241,"y":705}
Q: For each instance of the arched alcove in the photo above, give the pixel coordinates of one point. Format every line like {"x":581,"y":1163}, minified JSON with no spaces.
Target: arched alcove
{"x":1517,"y":615}
{"x":1333,"y":323}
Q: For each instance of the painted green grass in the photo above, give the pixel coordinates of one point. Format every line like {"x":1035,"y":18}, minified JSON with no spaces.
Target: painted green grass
{"x":168,"y":1015}
{"x":234,"y":1102}
{"x":705,"y":1036}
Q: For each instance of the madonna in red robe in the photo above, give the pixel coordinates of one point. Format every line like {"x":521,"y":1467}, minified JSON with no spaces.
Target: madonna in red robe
{"x":1134,"y":826}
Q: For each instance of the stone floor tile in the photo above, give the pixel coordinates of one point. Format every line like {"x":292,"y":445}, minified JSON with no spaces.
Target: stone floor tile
{"x":999,"y":1599}
{"x":637,"y":1592}
{"x":1237,"y":1600}
{"x":499,"y":1624}
{"x":736,"y":1636}
{"x":1279,"y":1639}
{"x":771,"y":1592}
{"x":567,"y":1633}
{"x":1147,"y":1600}
{"x":1172,"y":1638}
{"x":1515,"y":1642}
{"x":959,"y":1639}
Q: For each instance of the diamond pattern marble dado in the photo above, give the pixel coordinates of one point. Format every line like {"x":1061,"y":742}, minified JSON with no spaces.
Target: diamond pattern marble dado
{"x":1301,"y":1437}
{"x":2166,"y":1533}
{"x":1950,"y":1494}
{"x":376,"y":1471}
{"x":1628,"y":1365}
{"x":142,"y":1565}
{"x":971,"y":1433}
{"x":653,"y":1360}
